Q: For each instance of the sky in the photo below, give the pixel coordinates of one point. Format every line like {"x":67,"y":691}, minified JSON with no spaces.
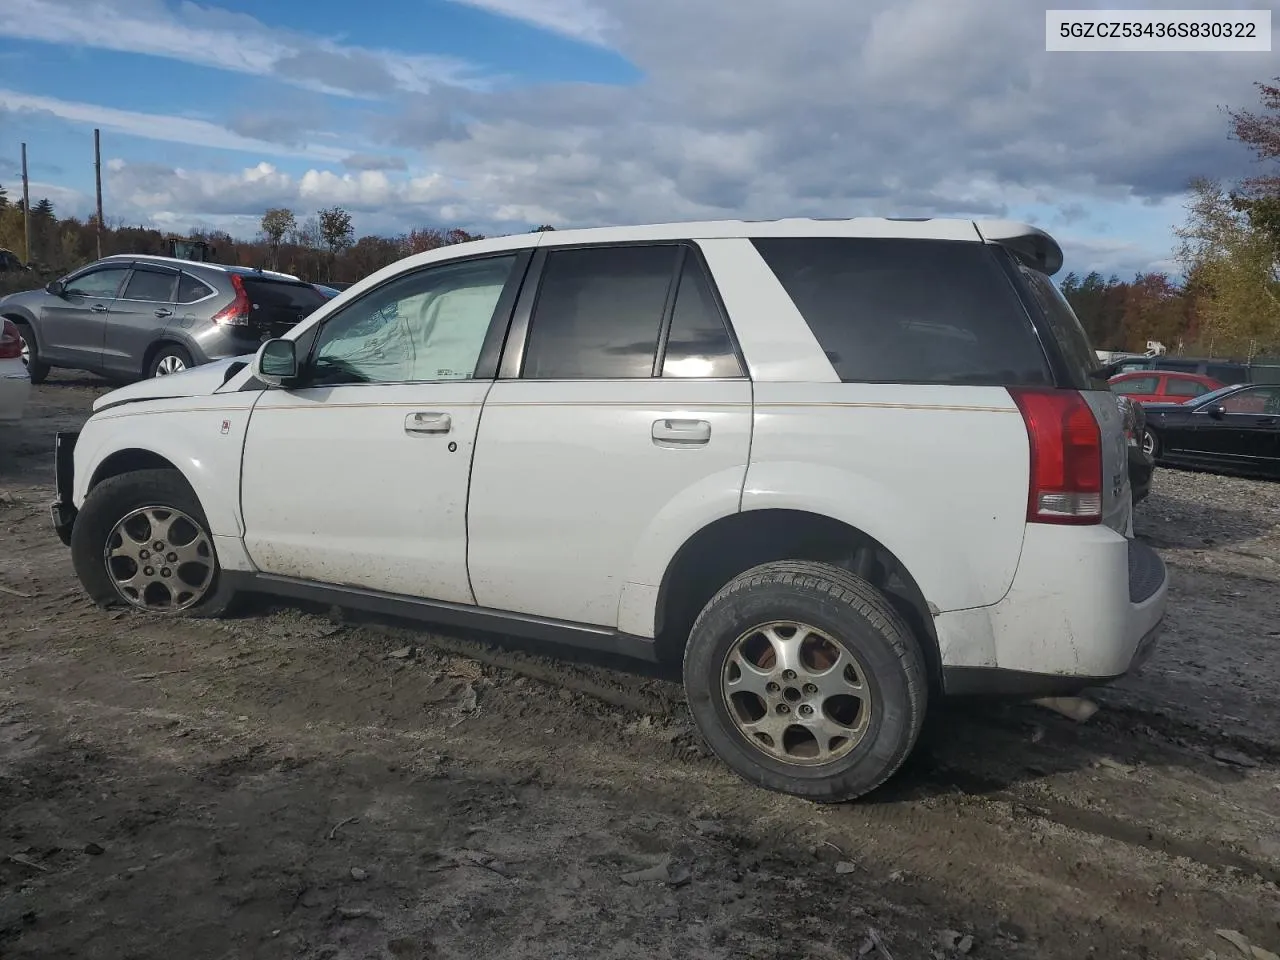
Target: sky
{"x":500,"y":115}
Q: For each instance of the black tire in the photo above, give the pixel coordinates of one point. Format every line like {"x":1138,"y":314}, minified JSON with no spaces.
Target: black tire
{"x":166,"y":352}
{"x":854,"y":614}
{"x":37,"y":369}
{"x":110,"y":502}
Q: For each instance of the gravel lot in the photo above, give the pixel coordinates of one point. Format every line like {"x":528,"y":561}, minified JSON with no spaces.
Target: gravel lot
{"x":291,"y":784}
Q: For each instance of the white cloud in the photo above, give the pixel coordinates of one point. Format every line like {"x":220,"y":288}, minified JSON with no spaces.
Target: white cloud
{"x":152,"y":126}
{"x":576,"y":19}
{"x":234,"y":42}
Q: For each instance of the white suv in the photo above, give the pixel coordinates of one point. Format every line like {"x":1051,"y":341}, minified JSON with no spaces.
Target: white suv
{"x":843,"y":468}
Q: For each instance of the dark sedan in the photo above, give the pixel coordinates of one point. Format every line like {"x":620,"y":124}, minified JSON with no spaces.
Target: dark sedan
{"x":1235,"y":429}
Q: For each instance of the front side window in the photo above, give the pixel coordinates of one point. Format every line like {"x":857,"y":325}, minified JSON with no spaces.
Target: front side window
{"x":155,"y":286}
{"x":1262,"y":401}
{"x":599,"y":313}
{"x":429,"y":325}
{"x":1176,"y":387}
{"x":102,"y":283}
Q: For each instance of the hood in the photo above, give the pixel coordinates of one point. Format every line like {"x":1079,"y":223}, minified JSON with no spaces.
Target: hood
{"x":197,"y":382}
{"x":24,"y":298}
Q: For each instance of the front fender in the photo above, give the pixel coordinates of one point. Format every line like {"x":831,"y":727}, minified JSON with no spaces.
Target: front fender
{"x":202,"y":437}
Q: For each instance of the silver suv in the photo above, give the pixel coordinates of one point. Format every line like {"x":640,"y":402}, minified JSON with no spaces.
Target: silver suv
{"x":130,"y":316}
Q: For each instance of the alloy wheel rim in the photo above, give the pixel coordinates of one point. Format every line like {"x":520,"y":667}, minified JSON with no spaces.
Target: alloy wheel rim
{"x":26,"y":352}
{"x":795,"y":693}
{"x":159,"y":560}
{"x":1148,"y":442}
{"x":169,"y":365}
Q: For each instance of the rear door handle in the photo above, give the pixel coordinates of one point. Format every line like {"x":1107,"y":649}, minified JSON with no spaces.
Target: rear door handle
{"x":164,"y":312}
{"x":98,"y":308}
{"x":428,"y":422}
{"x":681,"y":432}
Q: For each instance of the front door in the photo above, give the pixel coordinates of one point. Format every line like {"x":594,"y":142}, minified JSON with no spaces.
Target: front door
{"x":628,"y":415}
{"x":72,"y":325}
{"x":1248,"y":432}
{"x":358,"y":477}
{"x":137,"y":318}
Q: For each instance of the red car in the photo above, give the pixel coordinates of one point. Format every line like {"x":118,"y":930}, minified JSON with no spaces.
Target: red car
{"x":1162,"y":386}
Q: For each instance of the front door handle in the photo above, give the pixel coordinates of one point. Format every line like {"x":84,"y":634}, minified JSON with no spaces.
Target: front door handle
{"x":681,"y":432}
{"x":428,"y":422}
{"x":98,"y":308}
{"x":164,"y":312}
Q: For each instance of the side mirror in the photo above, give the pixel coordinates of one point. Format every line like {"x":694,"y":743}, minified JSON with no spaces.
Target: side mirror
{"x":1218,"y":411}
{"x":54,"y":288}
{"x":276,"y":363}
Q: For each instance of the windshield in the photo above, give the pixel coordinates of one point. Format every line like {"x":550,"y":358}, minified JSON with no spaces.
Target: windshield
{"x":1215,"y":395}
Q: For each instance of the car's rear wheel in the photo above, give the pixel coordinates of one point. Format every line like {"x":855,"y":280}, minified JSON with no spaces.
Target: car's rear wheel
{"x":804,"y":679}
{"x":142,"y":540}
{"x":37,"y":370}
{"x":170,"y":359}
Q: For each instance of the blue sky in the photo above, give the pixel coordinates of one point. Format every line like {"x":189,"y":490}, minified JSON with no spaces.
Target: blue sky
{"x":497,"y":115}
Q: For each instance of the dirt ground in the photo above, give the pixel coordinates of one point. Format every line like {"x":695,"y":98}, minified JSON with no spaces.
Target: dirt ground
{"x":292,"y":784}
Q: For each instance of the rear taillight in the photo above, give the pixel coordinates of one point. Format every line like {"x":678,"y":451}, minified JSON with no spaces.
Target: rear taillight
{"x":1066,"y":456}
{"x":10,"y":341}
{"x":237,"y":313}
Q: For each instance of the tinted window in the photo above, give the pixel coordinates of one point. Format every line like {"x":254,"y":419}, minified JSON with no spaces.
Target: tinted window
{"x":153,"y":285}
{"x":1176,"y":387}
{"x":1065,"y":328}
{"x":190,"y":289}
{"x":1229,"y":373}
{"x":698,"y":344}
{"x":97,"y":283}
{"x":909,"y":311}
{"x":281,"y":303}
{"x":429,"y":325}
{"x":1264,"y":401}
{"x":1185,"y":366}
{"x":1136,"y":386}
{"x":598,"y":313}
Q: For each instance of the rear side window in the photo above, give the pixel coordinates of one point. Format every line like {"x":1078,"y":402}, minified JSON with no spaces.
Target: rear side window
{"x":1065,"y":328}
{"x":151,"y":285}
{"x":1137,"y":386}
{"x":598,"y":313}
{"x":698,"y":344}
{"x":909,"y":311}
{"x":190,"y":289}
{"x":280,"y":302}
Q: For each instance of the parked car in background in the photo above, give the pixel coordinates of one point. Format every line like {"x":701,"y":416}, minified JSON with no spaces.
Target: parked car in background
{"x":1141,"y":463}
{"x":1161,"y":386}
{"x":15,"y":384}
{"x":1235,"y":429}
{"x":132,"y":316}
{"x":839,"y":469}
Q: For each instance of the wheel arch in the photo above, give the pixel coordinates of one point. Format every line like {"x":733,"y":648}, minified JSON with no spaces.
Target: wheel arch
{"x":129,"y":460}
{"x":166,"y":339}
{"x":730,"y":545}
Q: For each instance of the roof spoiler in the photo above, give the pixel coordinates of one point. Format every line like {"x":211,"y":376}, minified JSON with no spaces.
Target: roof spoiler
{"x":1030,"y":244}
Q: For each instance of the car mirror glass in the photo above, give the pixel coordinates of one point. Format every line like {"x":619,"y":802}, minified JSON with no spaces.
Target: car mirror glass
{"x":276,"y":363}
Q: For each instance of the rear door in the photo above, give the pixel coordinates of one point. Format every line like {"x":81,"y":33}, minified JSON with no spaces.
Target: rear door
{"x":72,"y":326}
{"x":624,"y":406}
{"x":138,"y":317}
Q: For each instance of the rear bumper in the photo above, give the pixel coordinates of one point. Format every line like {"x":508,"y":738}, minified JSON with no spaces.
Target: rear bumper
{"x":15,"y":388}
{"x":63,"y":509}
{"x":1085,"y":608}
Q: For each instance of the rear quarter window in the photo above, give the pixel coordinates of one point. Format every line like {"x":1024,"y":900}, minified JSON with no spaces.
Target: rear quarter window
{"x":909,"y":311}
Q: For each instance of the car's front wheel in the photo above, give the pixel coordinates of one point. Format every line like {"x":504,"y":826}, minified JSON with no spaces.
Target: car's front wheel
{"x":804,"y":679}
{"x":37,"y":370}
{"x":1150,"y":444}
{"x":142,"y":540}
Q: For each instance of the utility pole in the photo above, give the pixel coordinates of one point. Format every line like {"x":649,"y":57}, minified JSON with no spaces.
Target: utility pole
{"x":26,"y":209}
{"x":97,"y":176}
